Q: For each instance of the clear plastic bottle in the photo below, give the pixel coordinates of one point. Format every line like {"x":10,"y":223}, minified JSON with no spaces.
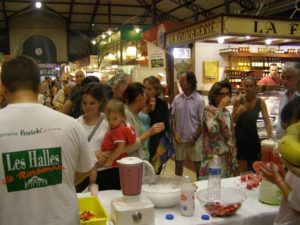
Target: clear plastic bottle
{"x":214,"y":179}
{"x":187,"y":197}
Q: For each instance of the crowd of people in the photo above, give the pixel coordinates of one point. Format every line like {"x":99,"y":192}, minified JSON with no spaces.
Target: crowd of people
{"x":59,"y":154}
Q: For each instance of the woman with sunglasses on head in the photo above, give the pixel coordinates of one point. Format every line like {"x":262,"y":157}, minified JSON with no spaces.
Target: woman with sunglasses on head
{"x":245,"y":113}
{"x":135,"y":100}
{"x":158,"y":112}
{"x":218,"y":134}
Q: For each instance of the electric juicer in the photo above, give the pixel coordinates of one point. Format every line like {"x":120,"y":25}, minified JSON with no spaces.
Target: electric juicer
{"x":269,"y":193}
{"x":133,"y":208}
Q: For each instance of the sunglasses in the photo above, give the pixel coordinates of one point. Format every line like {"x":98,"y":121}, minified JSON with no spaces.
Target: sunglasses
{"x":223,"y":94}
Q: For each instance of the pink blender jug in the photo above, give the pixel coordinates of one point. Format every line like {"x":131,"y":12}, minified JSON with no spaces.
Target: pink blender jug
{"x":132,"y":170}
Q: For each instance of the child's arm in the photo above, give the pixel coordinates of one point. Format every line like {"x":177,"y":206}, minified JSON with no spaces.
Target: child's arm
{"x":120,"y":149}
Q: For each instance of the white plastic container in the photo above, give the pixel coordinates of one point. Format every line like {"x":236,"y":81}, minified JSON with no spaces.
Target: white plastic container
{"x":187,"y":197}
{"x":214,"y":179}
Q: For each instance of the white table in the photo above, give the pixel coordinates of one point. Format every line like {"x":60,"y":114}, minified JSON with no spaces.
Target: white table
{"x":252,"y":212}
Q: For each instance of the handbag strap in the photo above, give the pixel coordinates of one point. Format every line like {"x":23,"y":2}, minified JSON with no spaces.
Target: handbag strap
{"x":95,"y":128}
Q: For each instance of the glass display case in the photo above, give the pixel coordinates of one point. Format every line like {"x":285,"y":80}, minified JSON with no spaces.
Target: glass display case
{"x":272,"y":100}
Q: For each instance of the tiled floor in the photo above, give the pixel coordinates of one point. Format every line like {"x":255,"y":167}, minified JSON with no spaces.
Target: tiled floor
{"x":170,"y":170}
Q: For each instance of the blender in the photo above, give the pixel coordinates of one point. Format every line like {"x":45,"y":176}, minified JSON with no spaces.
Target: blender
{"x":133,"y":208}
{"x":269,"y":193}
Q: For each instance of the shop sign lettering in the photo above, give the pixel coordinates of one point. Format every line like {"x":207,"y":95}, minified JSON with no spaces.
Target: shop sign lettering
{"x":267,"y":28}
{"x":263,"y":27}
{"x":197,"y":31}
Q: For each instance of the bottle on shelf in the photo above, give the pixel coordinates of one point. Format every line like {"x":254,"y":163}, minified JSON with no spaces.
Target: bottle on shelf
{"x":214,"y":179}
{"x":266,"y":64}
{"x":187,"y":197}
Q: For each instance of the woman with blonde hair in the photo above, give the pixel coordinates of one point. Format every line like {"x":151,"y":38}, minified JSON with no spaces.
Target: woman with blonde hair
{"x":158,"y":111}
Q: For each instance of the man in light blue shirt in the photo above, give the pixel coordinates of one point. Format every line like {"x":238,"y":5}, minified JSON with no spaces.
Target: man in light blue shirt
{"x":291,"y":80}
{"x":187,"y":109}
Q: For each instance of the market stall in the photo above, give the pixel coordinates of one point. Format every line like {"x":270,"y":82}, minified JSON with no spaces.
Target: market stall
{"x":234,"y":47}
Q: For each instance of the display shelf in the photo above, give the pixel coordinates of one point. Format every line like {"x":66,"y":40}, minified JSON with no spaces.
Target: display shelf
{"x":244,"y":64}
{"x":261,"y":55}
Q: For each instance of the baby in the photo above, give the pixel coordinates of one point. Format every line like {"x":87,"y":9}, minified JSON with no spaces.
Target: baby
{"x":119,"y":134}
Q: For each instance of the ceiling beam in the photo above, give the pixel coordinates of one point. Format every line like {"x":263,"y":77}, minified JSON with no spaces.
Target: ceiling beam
{"x":195,"y":8}
{"x":178,"y":7}
{"x":161,"y":19}
{"x":105,"y":23}
{"x":93,"y":16}
{"x":276,"y":7}
{"x":154,"y":12}
{"x":84,"y":13}
{"x":70,"y":14}
{"x":247,"y":5}
{"x":5,"y":14}
{"x":109,"y":14}
{"x":208,"y":10}
{"x":79,"y":3}
{"x":47,"y":8}
{"x":20,"y":11}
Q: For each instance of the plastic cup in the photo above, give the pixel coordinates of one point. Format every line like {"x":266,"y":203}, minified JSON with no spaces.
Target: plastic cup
{"x":243,"y":177}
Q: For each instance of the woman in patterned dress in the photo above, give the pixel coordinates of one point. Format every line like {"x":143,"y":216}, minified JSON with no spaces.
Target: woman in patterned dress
{"x":218,"y":132}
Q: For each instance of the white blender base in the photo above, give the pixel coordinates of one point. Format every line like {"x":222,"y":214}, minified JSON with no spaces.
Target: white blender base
{"x":139,"y":212}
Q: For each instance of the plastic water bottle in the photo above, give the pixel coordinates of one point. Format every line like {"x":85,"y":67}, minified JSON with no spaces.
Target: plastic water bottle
{"x":187,"y":197}
{"x":214,"y":179}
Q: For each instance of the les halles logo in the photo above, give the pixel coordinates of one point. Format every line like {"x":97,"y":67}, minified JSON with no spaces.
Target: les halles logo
{"x":32,"y":168}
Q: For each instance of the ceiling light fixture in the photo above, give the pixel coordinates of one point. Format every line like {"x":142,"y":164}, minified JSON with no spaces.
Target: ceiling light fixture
{"x":137,"y":29}
{"x":131,"y":51}
{"x":38,"y":5}
{"x":221,"y":40}
{"x":111,"y":56}
{"x":268,"y":41}
{"x":109,"y":32}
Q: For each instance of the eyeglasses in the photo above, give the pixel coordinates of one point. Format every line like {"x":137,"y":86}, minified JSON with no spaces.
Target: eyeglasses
{"x":223,"y":94}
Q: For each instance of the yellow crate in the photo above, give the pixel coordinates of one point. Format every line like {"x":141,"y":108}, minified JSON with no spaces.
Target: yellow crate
{"x":93,"y":205}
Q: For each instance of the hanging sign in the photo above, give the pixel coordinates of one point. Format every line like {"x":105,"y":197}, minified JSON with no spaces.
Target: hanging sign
{"x":156,"y":56}
{"x":261,"y":27}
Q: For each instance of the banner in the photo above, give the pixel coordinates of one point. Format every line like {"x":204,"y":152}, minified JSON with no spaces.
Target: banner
{"x":156,"y":56}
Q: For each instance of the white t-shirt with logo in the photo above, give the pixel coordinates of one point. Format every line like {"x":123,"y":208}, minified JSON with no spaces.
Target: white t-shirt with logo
{"x":40,"y":151}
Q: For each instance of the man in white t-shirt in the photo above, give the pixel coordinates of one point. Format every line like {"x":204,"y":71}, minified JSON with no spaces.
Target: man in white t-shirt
{"x":43,"y":153}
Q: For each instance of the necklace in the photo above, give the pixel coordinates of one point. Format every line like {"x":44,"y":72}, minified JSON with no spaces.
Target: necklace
{"x":250,"y":103}
{"x":91,"y":121}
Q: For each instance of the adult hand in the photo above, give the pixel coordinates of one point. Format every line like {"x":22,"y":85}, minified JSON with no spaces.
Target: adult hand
{"x":102,"y":156}
{"x":270,"y":172}
{"x":177,"y":138}
{"x":108,"y":164}
{"x":237,"y":101}
{"x":156,"y":128}
{"x":191,"y":142}
{"x":241,"y":109}
{"x":152,"y":104}
{"x":224,"y":102}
